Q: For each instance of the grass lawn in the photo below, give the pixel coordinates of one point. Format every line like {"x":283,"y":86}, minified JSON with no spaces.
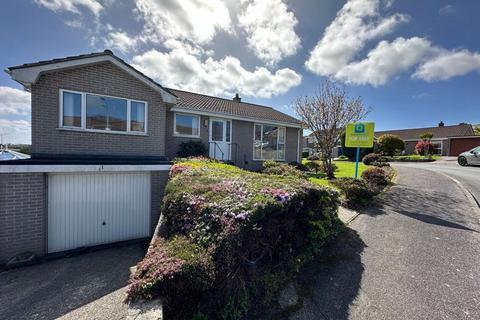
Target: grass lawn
{"x":345,"y":169}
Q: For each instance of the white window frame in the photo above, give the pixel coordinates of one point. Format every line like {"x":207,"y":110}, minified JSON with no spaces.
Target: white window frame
{"x":261,"y":137}
{"x":175,"y":134}
{"x":440,"y":142}
{"x":84,"y":114}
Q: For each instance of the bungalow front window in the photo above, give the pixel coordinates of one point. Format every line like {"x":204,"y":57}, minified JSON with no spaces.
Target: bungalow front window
{"x":186,"y":125}
{"x":269,"y":142}
{"x":92,"y":112}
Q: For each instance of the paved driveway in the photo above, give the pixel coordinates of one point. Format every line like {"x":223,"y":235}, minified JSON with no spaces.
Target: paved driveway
{"x":86,"y":286}
{"x":416,"y":257}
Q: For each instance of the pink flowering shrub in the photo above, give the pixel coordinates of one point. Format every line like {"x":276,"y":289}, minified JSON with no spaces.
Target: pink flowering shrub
{"x":247,"y":225}
{"x":424,"y":147}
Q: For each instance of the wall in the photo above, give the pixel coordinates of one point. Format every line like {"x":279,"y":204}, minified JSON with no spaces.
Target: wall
{"x":173,"y":142}
{"x":103,"y":78}
{"x":22,"y":214}
{"x":159,"y":180}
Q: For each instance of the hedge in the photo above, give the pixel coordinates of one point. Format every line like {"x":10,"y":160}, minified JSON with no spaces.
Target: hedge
{"x":230,"y":238}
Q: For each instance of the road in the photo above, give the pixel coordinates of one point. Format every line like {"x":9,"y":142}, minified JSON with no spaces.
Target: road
{"x":417,"y":256}
{"x":469,"y":177}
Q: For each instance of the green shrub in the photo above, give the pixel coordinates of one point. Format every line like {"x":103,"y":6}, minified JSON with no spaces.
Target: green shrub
{"x":390,"y":144}
{"x":281,"y":169}
{"x":356,"y":192}
{"x":334,"y":167}
{"x":192,"y":148}
{"x":380,"y":164}
{"x":305,"y":154}
{"x":314,"y":166}
{"x":313,"y":157}
{"x":241,"y":226}
{"x":299,"y":166}
{"x":376,"y":178}
{"x":342,"y":158}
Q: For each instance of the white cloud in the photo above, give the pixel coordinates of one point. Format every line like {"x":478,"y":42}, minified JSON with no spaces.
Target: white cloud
{"x":14,"y":101}
{"x":385,"y":61}
{"x":15,"y":131}
{"x":192,"y":20}
{"x":121,"y":41}
{"x":447,"y":65}
{"x":187,"y":68}
{"x":71,"y":5}
{"x":270,"y":30}
{"x":358,"y":22}
{"x":447,"y":9}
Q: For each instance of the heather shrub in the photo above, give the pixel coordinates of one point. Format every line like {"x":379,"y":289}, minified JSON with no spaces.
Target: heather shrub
{"x":249,"y":232}
{"x":192,"y":148}
{"x":314,"y":166}
{"x":376,"y":178}
{"x":356,"y":192}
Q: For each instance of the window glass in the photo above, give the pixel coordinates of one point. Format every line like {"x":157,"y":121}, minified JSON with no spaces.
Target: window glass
{"x":269,"y":142}
{"x":137,"y":116}
{"x":228,"y":133}
{"x":72,"y":109}
{"x":281,"y":135}
{"x":106,"y":113}
{"x":217,"y":130}
{"x":186,"y":125}
{"x":281,"y":152}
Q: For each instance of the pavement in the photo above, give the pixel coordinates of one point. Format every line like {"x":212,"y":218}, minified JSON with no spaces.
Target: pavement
{"x":415,"y":257}
{"x":87,"y":286}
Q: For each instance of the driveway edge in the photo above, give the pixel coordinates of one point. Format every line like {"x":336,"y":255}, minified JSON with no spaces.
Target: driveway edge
{"x":474,"y":202}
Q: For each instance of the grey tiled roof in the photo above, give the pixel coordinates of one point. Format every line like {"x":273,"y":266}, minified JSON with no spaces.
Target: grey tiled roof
{"x":200,"y":102}
{"x":438,"y":132}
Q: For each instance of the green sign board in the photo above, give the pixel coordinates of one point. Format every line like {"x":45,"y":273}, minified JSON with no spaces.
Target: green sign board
{"x":359,"y":135}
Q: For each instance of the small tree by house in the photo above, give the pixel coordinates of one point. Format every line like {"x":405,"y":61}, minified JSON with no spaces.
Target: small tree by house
{"x":327,"y":114}
{"x":424,"y":147}
{"x":427,"y":136}
{"x":390,"y":144}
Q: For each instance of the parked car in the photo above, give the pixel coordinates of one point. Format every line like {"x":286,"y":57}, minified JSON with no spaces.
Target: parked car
{"x":469,"y":157}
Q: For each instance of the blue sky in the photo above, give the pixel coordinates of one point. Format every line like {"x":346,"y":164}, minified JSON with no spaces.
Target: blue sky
{"x":414,"y":63}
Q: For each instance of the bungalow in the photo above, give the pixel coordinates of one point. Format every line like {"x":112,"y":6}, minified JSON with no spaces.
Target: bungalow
{"x":103,"y":135}
{"x":447,"y":140}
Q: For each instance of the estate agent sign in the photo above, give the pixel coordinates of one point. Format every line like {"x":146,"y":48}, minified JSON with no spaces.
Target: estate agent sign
{"x":359,"y":135}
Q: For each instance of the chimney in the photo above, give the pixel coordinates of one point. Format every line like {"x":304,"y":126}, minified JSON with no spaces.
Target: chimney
{"x":441,"y":124}
{"x":237,"y":98}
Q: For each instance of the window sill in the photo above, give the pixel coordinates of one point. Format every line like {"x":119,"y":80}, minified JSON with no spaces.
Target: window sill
{"x":185,"y":136}
{"x":141,"y":134}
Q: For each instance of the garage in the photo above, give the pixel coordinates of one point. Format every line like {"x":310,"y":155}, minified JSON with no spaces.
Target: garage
{"x":87,"y":209}
{"x":462,"y":144}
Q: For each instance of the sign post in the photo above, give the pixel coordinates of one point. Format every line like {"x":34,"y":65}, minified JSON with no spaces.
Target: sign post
{"x":359,"y":135}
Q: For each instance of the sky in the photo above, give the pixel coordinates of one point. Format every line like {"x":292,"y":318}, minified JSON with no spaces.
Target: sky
{"x":414,"y":63}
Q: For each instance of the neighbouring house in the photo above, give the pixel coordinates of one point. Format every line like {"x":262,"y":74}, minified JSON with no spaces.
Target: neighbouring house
{"x":310,"y":145}
{"x":447,"y":140}
{"x":103,"y":136}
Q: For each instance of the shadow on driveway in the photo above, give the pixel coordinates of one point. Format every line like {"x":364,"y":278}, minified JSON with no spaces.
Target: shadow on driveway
{"x":331,"y":282}
{"x":58,"y":287}
{"x":432,"y":207}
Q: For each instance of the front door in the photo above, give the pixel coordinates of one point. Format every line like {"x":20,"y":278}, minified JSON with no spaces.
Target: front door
{"x":219,"y":139}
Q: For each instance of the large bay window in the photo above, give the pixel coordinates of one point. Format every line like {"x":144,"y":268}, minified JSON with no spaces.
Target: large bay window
{"x":92,"y":112}
{"x":186,"y":125}
{"x":269,"y":142}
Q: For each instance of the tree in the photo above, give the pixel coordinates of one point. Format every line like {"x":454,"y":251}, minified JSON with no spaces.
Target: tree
{"x":390,"y":144}
{"x":427,"y":136}
{"x":424,"y":147}
{"x":326,"y":114}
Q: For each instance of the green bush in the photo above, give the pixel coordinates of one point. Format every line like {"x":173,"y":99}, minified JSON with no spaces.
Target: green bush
{"x":376,"y":178}
{"x":356,"y":192}
{"x":314,"y":166}
{"x":313,"y":157}
{"x":390,"y":144}
{"x":192,"y":148}
{"x":239,"y":231}
{"x":279,"y":168}
{"x":299,"y":166}
{"x":342,"y":158}
{"x":305,"y":154}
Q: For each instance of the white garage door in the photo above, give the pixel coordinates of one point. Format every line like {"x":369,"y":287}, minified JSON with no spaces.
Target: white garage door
{"x":86,"y":209}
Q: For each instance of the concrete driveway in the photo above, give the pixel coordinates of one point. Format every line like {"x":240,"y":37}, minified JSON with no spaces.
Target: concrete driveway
{"x":417,"y":256}
{"x":87,"y":286}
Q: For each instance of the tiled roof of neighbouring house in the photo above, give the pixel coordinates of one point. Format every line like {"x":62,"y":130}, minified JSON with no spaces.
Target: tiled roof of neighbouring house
{"x":201,"y":102}
{"x":438,"y":132}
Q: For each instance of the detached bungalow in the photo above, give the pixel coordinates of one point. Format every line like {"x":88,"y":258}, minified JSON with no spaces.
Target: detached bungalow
{"x":103,"y":135}
{"x":447,"y":140}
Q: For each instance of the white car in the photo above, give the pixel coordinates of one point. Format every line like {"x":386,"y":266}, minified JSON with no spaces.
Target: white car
{"x":469,"y":157}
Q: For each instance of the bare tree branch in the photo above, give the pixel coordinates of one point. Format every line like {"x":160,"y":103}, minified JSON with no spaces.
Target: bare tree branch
{"x":326,"y":113}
